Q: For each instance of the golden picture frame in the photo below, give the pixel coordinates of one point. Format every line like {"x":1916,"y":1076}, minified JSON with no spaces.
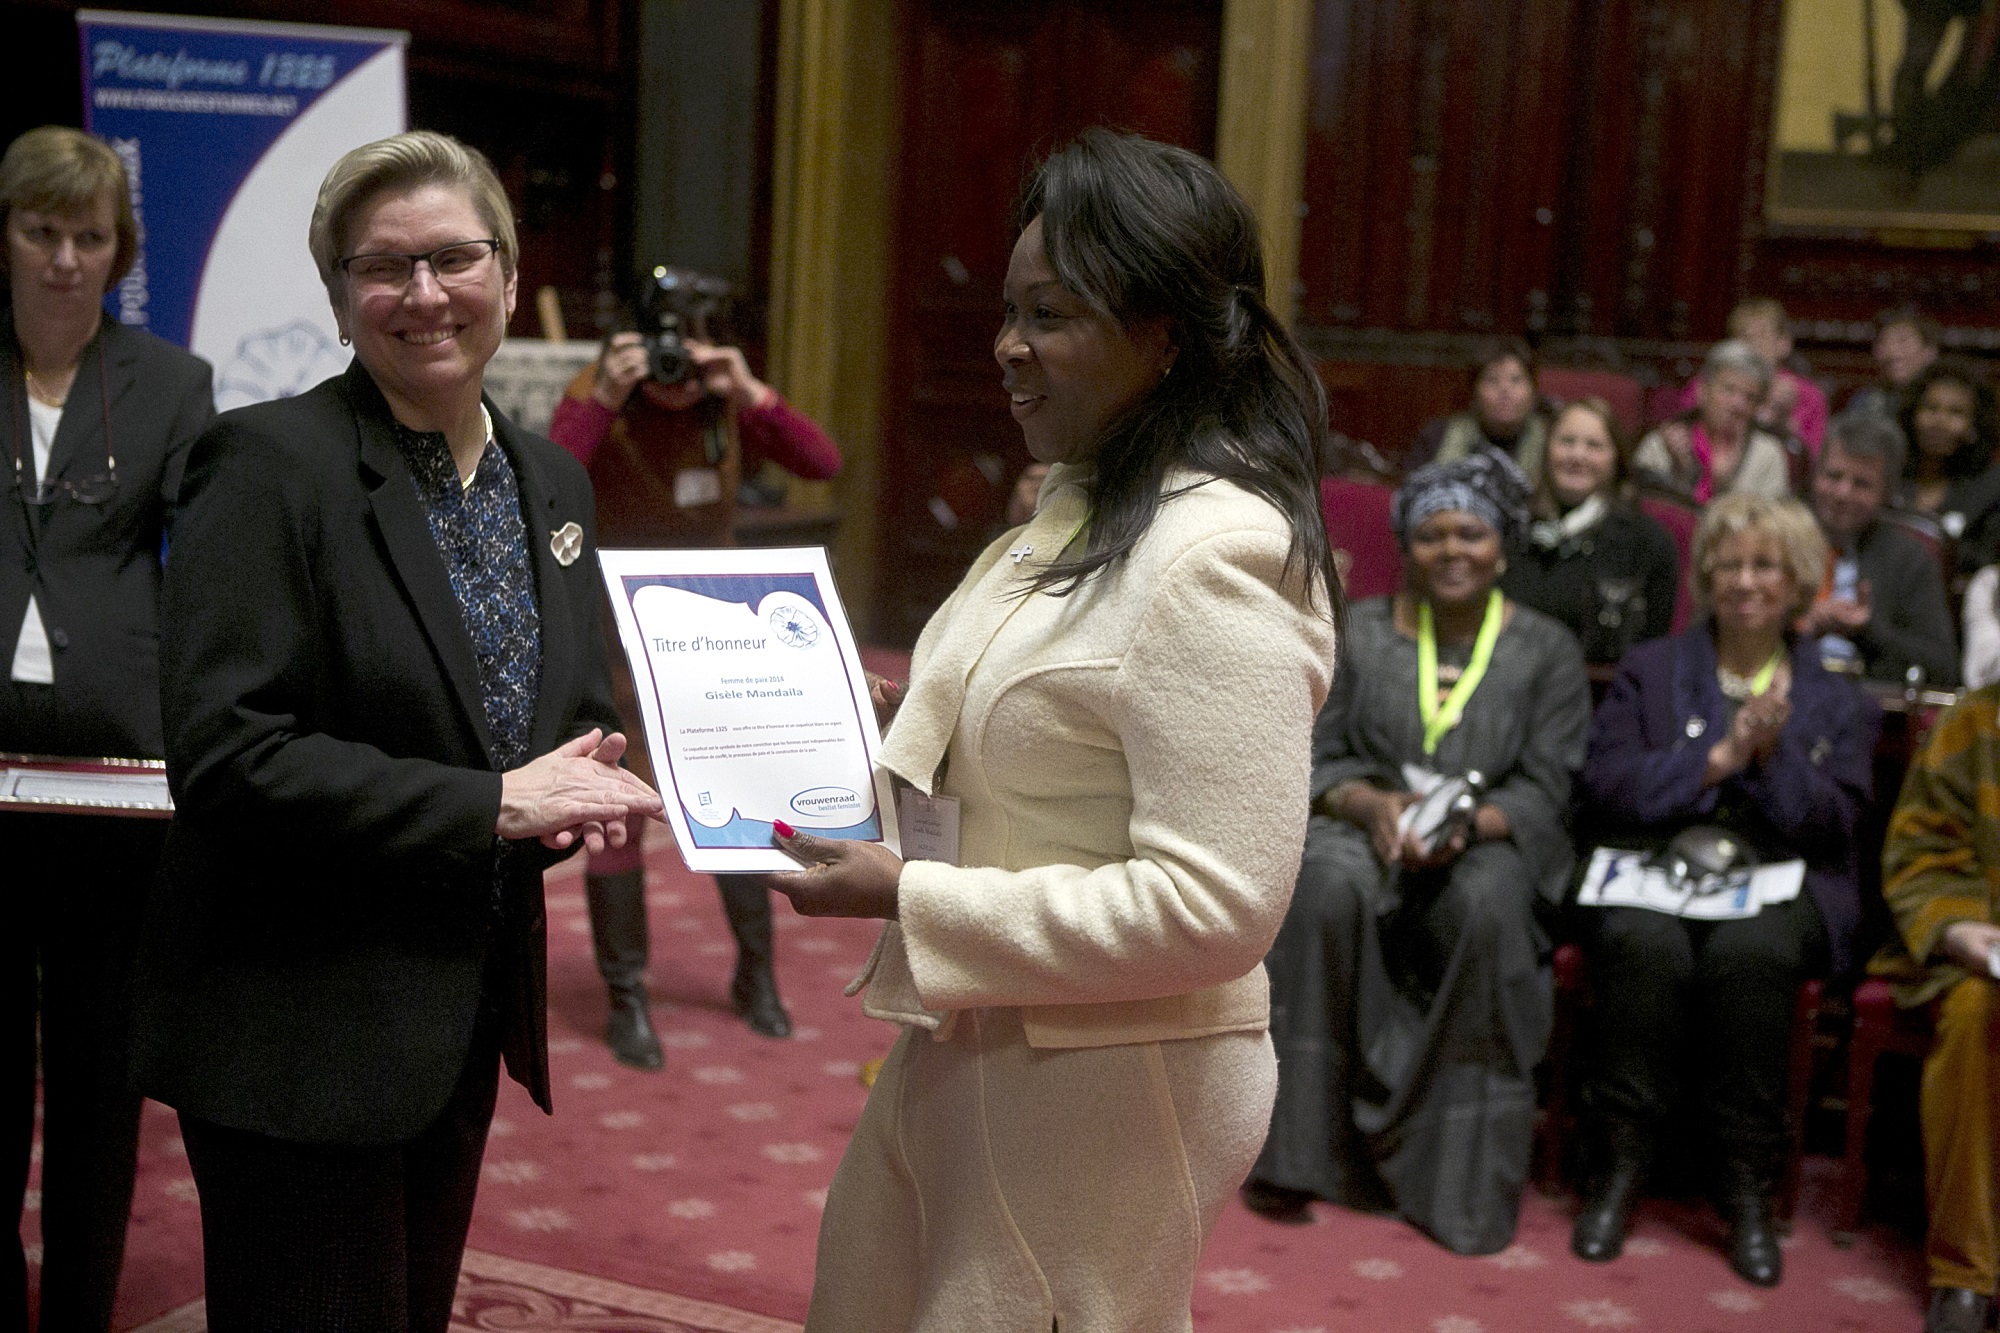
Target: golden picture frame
{"x":1887,"y":118}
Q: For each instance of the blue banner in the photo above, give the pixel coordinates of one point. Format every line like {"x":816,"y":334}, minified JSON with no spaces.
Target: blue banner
{"x":226,"y":129}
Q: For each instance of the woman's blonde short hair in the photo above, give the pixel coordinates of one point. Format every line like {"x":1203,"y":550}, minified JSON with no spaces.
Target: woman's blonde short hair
{"x":1785,"y":521}
{"x":399,"y":164}
{"x":55,"y":169}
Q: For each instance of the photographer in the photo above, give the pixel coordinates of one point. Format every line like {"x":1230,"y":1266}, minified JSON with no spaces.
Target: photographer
{"x":666,"y":460}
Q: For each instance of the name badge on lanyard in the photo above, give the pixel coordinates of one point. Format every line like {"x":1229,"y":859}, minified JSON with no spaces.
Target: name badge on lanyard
{"x":928,"y":825}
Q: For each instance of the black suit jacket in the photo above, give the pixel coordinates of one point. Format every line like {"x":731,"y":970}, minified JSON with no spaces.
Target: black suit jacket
{"x":94,"y":570}
{"x":1910,"y":622}
{"x":315,"y":949}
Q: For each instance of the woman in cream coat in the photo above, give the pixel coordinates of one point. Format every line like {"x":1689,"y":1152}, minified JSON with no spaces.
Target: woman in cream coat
{"x":1116,"y":710}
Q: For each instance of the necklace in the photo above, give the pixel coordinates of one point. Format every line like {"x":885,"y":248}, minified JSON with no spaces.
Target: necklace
{"x":1741,"y":688}
{"x":1440,"y":719}
{"x":41,"y":395}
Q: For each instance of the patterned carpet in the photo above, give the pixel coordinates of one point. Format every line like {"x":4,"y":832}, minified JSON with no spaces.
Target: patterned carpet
{"x":690,"y":1200}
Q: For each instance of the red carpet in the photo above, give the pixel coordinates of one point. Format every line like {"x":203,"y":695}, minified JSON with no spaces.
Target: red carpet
{"x":690,"y":1200}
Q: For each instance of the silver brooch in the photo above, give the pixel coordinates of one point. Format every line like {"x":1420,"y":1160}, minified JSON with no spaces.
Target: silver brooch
{"x":1696,"y":726}
{"x":567,"y":543}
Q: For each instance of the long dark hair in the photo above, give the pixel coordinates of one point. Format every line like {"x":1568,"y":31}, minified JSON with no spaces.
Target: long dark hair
{"x":1142,"y":231}
{"x":1970,"y":458}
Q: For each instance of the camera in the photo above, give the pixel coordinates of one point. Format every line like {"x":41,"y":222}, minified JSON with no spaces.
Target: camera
{"x":675,"y":304}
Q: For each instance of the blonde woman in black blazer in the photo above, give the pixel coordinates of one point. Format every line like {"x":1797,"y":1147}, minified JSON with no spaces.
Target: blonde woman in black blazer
{"x":387,"y":713}
{"x":80,"y":538}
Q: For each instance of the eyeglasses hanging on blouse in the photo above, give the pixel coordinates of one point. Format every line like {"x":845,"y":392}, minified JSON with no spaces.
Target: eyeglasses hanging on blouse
{"x":93,"y":490}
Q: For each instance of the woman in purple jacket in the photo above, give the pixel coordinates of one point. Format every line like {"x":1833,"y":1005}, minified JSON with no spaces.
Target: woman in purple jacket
{"x":1732,"y":724}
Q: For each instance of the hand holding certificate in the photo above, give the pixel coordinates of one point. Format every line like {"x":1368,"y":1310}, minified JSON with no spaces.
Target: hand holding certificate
{"x":756,"y":707}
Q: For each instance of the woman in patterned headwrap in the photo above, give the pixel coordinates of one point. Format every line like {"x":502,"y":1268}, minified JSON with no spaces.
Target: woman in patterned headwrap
{"x":1410,"y":994}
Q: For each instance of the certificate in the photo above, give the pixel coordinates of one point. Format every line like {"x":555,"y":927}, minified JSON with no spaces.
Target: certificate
{"x":1629,"y":879}
{"x":753,"y":700}
{"x":131,"y":787}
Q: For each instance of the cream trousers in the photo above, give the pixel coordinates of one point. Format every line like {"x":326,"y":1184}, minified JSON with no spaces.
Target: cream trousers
{"x":992,"y":1187}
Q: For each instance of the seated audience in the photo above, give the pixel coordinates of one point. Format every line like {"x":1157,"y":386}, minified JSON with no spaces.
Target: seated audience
{"x":1980,"y":617}
{"x":1733,"y":727}
{"x":1950,"y":475}
{"x":1909,"y":625}
{"x":1718,"y":448}
{"x":1505,"y":413}
{"x":1906,"y":341}
{"x":1410,"y":994}
{"x":1591,"y":559}
{"x":1795,"y":407}
{"x":1939,"y":866}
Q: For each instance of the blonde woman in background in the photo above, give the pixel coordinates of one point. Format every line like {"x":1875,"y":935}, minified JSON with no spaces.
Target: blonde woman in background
{"x":98,"y":422}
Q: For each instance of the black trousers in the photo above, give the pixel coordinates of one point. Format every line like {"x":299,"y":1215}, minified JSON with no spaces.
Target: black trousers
{"x":332,"y":1238}
{"x":1717,"y":994}
{"x":68,"y":935}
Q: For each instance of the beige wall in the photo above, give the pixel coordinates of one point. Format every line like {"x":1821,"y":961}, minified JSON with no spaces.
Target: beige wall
{"x":831,"y":214}
{"x":1261,"y":126}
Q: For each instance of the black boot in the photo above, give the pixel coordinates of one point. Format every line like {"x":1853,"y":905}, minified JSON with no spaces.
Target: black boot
{"x":1956,"y":1310}
{"x":618,"y":931}
{"x":753,"y":991}
{"x":1606,"y":1216}
{"x":1753,"y":1231}
{"x":1278,"y":1203}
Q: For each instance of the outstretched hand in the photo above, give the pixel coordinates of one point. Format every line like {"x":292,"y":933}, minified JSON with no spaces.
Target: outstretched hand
{"x":842,"y":878}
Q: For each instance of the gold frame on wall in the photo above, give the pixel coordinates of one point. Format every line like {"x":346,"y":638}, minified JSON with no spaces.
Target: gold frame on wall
{"x":1885,"y":126}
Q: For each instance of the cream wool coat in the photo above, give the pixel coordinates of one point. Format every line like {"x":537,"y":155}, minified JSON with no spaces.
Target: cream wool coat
{"x":1133,"y":764}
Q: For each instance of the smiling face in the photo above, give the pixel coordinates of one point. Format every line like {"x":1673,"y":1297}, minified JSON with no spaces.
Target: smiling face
{"x":1944,"y":417}
{"x":1582,"y":457}
{"x":425,"y":344}
{"x":1453,"y":559}
{"x":1727,"y":402}
{"x":1502,"y":396}
{"x":1901,"y":352}
{"x":1848,"y":491}
{"x":59,"y":264}
{"x":1750,"y":585}
{"x":1768,"y":337}
{"x":1069,"y":369}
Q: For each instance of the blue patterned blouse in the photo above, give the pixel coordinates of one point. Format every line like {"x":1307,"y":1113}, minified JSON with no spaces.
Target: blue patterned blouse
{"x":483,"y":538}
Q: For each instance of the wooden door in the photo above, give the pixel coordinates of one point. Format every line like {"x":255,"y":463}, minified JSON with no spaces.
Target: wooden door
{"x":987,"y":90}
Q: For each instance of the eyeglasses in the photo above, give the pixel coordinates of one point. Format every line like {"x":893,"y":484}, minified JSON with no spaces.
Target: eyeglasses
{"x":84,"y":490}
{"x":453,"y":265}
{"x":87,"y":491}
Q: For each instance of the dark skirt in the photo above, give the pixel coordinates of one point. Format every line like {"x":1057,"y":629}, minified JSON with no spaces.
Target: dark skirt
{"x":1409,"y":1013}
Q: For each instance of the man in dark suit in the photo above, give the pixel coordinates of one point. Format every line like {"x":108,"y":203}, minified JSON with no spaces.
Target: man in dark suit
{"x":1883,"y":604}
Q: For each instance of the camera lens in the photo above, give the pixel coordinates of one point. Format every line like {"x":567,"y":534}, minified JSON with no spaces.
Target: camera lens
{"x":667,"y":358}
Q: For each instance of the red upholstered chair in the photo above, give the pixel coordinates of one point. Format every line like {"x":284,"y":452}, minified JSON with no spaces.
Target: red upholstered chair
{"x":1566,"y":384}
{"x":1679,"y":520}
{"x":1559,"y":1116}
{"x":1663,"y":403}
{"x":1357,"y":522}
{"x":1880,"y":1027}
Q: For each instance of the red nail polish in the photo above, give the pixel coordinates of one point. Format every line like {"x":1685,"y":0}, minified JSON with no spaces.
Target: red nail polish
{"x":784,"y":830}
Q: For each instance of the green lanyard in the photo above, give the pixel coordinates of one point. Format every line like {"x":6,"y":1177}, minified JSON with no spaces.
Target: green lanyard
{"x":1767,"y":673}
{"x":1438,"y":721}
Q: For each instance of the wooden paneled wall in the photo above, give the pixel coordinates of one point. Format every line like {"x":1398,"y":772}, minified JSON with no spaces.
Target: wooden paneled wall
{"x":986,"y":89}
{"x":1588,"y":173}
